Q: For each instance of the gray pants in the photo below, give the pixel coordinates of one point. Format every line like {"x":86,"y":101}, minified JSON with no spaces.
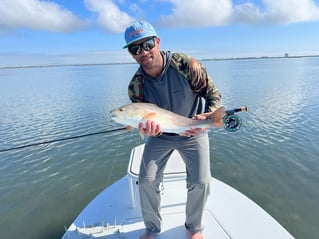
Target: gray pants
{"x":195,"y":153}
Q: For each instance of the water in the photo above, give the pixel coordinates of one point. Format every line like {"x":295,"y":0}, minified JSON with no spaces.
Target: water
{"x":273,"y":158}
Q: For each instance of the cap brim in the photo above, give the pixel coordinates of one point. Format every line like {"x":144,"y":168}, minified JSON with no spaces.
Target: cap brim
{"x":131,"y":42}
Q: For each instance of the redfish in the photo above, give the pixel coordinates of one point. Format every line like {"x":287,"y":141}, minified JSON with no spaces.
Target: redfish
{"x":134,"y":113}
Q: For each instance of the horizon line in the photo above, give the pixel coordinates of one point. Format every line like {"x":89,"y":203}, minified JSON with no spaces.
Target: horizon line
{"x":124,"y":63}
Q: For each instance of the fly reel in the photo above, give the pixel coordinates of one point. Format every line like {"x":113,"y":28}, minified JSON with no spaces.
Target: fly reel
{"x":231,"y":121}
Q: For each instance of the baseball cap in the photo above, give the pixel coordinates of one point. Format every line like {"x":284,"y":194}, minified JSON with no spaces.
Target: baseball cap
{"x":138,"y":31}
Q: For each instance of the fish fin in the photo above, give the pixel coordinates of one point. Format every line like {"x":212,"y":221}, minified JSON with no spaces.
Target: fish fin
{"x":129,"y":128}
{"x":217,"y":117}
{"x":149,"y":116}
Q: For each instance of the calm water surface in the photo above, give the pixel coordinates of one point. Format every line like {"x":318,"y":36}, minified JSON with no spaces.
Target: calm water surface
{"x":273,"y":159}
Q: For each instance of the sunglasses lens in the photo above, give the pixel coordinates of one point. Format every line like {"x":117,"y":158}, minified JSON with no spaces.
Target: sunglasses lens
{"x":135,"y":50}
{"x":147,"y":46}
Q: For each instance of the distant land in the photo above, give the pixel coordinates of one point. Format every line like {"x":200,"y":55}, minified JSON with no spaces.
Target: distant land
{"x":260,"y":57}
{"x":204,"y":59}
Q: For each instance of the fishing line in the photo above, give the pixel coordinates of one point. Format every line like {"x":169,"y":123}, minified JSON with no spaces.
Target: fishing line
{"x":112,"y":167}
{"x":61,"y":139}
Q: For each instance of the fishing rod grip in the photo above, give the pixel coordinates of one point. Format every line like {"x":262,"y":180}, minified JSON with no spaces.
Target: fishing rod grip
{"x":241,"y":109}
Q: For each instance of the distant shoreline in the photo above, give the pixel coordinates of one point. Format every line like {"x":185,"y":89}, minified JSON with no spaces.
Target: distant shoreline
{"x":257,"y":58}
{"x":125,"y":63}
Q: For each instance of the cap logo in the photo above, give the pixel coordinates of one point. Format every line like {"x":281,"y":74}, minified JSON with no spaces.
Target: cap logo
{"x":136,"y":32}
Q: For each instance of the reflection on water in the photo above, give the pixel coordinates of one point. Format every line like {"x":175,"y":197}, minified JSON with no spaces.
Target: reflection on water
{"x":273,"y":158}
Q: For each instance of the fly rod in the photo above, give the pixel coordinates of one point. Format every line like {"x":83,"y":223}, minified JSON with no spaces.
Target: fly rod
{"x":61,"y":139}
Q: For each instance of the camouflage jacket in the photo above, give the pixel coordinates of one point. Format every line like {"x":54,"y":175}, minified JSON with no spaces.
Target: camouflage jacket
{"x":189,"y":69}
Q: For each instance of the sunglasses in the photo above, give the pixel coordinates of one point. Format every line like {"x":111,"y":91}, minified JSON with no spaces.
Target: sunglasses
{"x":147,"y":45}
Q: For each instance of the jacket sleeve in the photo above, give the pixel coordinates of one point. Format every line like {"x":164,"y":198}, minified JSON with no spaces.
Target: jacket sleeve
{"x":204,"y":86}
{"x":136,"y":88}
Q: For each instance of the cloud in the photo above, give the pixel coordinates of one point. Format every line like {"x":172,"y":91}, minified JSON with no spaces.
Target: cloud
{"x":38,"y":15}
{"x":247,"y":13}
{"x":285,"y":12}
{"x":222,"y":12}
{"x":276,"y":12}
{"x":109,"y":16}
{"x":50,"y":16}
{"x":195,"y":14}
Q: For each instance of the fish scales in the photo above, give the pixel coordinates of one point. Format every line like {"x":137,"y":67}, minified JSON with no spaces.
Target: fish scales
{"x":134,"y":113}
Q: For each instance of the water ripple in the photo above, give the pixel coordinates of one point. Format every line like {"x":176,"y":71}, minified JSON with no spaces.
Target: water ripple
{"x":273,"y":158}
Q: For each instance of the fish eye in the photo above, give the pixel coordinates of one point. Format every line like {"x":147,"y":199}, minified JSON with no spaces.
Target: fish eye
{"x":122,"y":109}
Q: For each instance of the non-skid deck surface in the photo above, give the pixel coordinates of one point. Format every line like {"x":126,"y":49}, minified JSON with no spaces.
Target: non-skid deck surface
{"x":115,"y":213}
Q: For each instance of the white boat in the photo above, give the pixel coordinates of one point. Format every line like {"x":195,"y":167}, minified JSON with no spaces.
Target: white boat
{"x":115,"y":212}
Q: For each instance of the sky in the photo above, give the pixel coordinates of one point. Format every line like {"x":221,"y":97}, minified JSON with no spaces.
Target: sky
{"x":50,"y":32}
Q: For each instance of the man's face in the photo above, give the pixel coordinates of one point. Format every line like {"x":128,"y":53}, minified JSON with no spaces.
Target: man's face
{"x":145,"y":51}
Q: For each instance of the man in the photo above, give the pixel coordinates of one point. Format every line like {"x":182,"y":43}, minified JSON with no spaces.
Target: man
{"x":178,"y":83}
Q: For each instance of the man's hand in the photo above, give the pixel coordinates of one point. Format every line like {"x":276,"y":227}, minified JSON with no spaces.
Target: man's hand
{"x":149,"y":129}
{"x":195,"y":131}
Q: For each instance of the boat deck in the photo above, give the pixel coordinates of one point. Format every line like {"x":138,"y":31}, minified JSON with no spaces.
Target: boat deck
{"x":115,"y":213}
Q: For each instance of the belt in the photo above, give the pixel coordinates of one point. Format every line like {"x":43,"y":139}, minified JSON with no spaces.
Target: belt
{"x":170,"y":134}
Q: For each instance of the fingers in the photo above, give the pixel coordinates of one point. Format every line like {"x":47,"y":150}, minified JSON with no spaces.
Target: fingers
{"x":199,"y":117}
{"x":150,"y":128}
{"x":196,"y":131}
